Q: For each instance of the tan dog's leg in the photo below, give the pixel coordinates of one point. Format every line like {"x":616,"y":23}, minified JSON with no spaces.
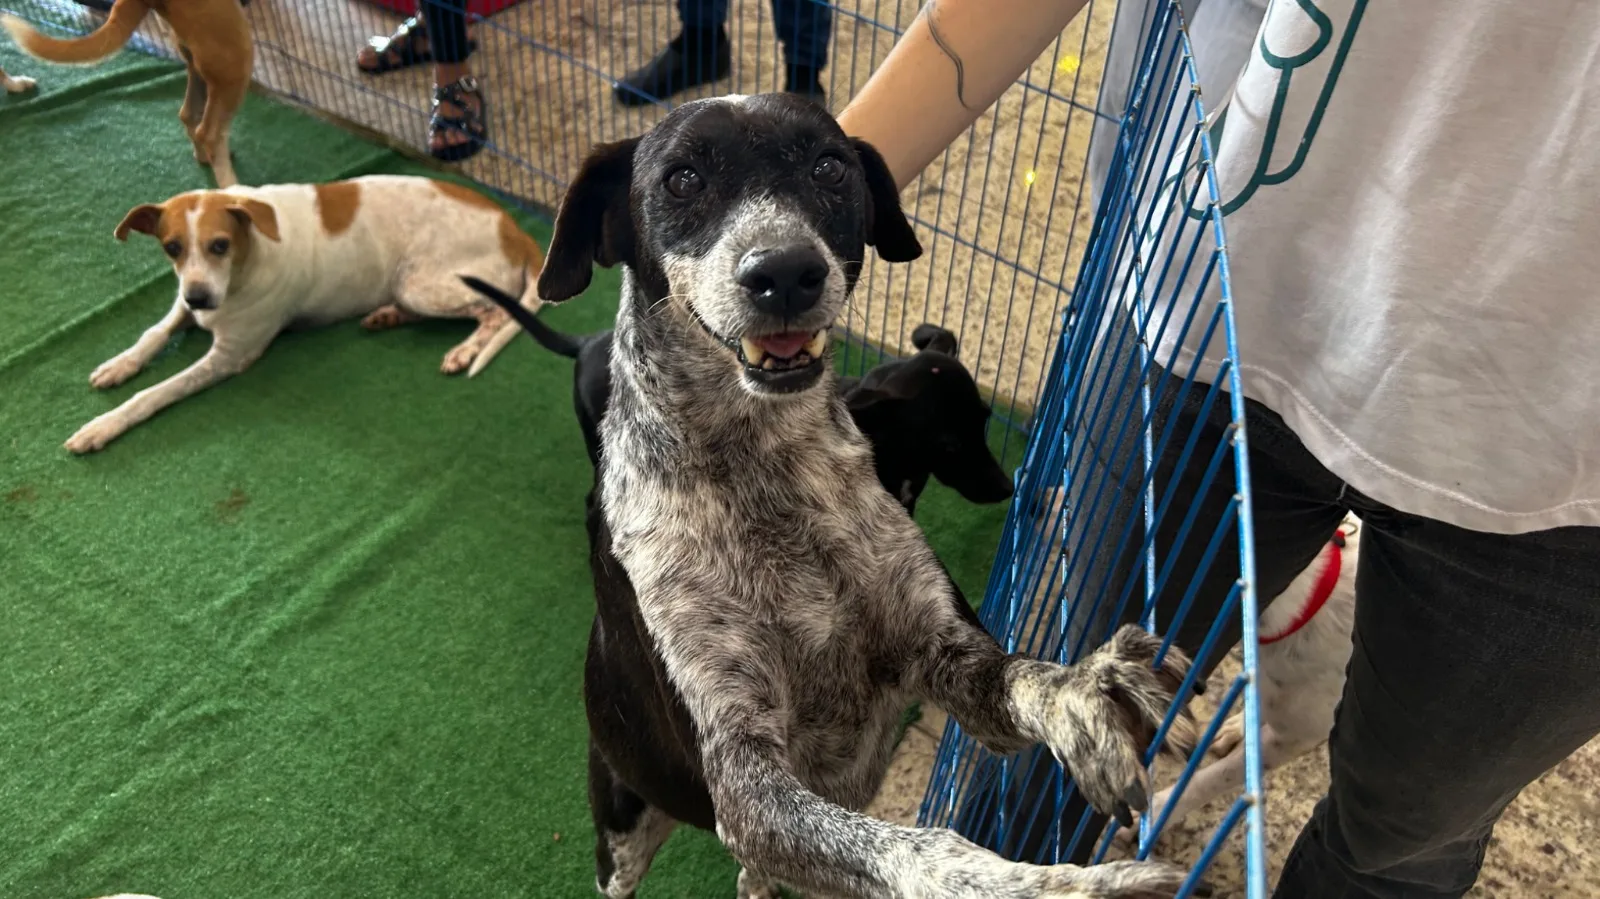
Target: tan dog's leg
{"x":391,"y":316}
{"x":490,"y":320}
{"x":216,"y":365}
{"x":194,"y":103}
{"x":130,"y":361}
{"x":435,"y":297}
{"x":15,"y":84}
{"x":212,"y":132}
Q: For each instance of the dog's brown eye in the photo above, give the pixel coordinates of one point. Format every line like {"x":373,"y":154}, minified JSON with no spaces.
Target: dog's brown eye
{"x":684,"y":182}
{"x":828,"y":170}
{"x":172,"y":248}
{"x":219,"y":247}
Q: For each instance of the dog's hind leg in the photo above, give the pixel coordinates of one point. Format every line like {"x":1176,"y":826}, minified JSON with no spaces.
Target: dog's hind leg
{"x":211,"y":135}
{"x":391,"y":316}
{"x":427,"y":294}
{"x":194,"y":104}
{"x":490,"y":320}
{"x":628,"y":831}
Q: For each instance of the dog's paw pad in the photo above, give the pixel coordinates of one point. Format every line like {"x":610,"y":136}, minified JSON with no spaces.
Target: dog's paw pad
{"x":459,"y":359}
{"x":92,"y":437}
{"x":1107,"y":711}
{"x":385,"y":317}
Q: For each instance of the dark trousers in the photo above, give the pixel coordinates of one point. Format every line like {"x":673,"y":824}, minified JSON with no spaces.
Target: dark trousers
{"x":1475,"y":669}
{"x":446,"y":24}
{"x":803,"y":26}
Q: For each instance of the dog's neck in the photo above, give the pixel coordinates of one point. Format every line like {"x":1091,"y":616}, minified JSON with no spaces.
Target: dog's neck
{"x":682,"y":399}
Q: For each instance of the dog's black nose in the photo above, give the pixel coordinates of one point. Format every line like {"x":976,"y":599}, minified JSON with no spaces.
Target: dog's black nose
{"x":199,"y":298}
{"x":784,"y":281}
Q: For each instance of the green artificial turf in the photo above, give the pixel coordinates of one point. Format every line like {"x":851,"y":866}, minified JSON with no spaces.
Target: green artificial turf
{"x":318,"y":631}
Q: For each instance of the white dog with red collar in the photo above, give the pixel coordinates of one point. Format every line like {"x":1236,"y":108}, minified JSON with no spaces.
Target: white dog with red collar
{"x":1304,"y":640}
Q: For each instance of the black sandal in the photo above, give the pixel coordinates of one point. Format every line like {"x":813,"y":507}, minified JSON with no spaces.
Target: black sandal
{"x":406,"y":46}
{"x":470,"y":122}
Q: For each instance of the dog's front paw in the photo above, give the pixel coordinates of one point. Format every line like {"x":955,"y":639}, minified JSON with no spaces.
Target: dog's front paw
{"x":18,"y":84}
{"x":93,"y":436}
{"x":114,"y":371}
{"x":1099,"y":716}
{"x":1117,"y":880}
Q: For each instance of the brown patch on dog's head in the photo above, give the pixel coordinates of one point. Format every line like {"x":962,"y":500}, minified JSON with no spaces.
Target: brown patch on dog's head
{"x":337,"y":203}
{"x":208,"y":235}
{"x":212,"y":221}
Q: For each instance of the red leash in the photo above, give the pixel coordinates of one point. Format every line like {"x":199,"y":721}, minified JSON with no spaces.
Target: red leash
{"x":1326,"y":581}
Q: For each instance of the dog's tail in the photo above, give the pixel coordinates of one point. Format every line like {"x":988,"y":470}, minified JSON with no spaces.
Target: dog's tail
{"x":126,"y":15}
{"x":548,"y":337}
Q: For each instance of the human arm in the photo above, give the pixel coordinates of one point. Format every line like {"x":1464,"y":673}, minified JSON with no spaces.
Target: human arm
{"x":953,"y":63}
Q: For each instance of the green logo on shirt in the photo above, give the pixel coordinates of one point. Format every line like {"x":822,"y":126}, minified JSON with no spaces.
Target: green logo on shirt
{"x":1286,"y":66}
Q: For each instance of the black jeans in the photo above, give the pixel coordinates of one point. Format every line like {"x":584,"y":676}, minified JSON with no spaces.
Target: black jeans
{"x":1475,"y":669}
{"x":446,"y":24}
{"x":803,"y":26}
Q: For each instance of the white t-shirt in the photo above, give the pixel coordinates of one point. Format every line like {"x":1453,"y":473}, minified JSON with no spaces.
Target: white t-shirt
{"x":1412,"y":197}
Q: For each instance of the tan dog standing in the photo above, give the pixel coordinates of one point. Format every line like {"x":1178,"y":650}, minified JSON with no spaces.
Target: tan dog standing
{"x":214,"y":40}
{"x":252,"y":261}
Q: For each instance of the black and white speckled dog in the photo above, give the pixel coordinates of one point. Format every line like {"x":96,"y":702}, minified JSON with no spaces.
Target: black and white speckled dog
{"x":765,"y":611}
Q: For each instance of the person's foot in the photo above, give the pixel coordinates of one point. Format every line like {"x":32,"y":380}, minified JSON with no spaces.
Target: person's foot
{"x":457,"y":130}
{"x":807,"y":82}
{"x":691,"y":59}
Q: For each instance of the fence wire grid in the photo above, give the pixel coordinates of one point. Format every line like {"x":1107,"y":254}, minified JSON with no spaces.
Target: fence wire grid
{"x":1101,"y":531}
{"x":1058,"y":293}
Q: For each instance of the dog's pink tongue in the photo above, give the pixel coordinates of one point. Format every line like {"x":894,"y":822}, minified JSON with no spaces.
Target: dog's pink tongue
{"x":784,"y":346}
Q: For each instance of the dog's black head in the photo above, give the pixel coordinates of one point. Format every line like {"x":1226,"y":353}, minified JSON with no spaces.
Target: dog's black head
{"x":744,"y":220}
{"x":926,"y":415}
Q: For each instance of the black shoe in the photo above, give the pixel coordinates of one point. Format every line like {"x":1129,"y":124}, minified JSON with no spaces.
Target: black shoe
{"x":690,"y":60}
{"x":807,"y":82}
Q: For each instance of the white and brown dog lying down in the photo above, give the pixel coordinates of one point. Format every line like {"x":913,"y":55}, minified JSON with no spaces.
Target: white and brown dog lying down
{"x":252,"y":261}
{"x":765,"y":610}
{"x":1304,"y":636}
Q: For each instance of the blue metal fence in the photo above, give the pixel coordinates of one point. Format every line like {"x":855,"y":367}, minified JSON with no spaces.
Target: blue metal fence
{"x":1130,"y":495}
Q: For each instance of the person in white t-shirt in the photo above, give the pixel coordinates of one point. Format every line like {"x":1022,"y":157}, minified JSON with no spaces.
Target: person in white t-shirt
{"x":1410,"y":191}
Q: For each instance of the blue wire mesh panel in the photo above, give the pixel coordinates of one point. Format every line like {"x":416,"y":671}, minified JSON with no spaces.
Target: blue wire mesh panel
{"x":1132,"y":499}
{"x":1004,"y":214}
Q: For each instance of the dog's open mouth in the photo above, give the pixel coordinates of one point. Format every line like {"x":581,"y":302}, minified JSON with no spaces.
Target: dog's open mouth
{"x":781,"y":352}
{"x":789,"y":360}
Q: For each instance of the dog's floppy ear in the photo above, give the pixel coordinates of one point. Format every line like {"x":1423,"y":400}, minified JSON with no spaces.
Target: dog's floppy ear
{"x":257,"y":213}
{"x":887,"y":227}
{"x":929,"y":336}
{"x":143,"y":219}
{"x":594,"y":226}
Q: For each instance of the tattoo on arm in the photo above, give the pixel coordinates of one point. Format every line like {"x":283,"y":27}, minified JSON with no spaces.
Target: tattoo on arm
{"x":944,"y":46}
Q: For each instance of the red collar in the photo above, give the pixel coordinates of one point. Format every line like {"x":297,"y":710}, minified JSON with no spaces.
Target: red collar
{"x":1326,"y":581}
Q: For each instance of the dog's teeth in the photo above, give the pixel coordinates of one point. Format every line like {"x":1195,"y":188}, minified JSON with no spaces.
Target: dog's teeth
{"x":818,"y":342}
{"x":769,"y":364}
{"x":754,"y":355}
